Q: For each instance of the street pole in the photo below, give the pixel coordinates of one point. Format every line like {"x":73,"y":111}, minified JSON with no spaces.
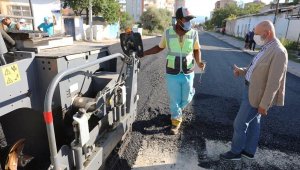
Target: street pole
{"x":287,"y":29}
{"x":31,"y":10}
{"x":91,"y":19}
{"x":298,"y":45}
{"x":276,"y":12}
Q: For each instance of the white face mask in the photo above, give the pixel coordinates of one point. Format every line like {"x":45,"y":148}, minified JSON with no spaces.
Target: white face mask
{"x":258,"y":40}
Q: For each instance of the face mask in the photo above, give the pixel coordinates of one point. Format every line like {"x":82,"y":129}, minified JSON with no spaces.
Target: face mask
{"x":258,"y":40}
{"x":186,"y":26}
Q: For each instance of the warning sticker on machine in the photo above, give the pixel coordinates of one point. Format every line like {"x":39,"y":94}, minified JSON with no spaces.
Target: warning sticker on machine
{"x":11,"y":74}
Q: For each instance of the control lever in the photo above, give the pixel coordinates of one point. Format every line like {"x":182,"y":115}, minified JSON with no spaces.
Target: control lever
{"x":131,"y":42}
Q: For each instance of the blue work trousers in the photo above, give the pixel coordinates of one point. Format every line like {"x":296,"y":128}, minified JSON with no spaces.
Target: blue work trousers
{"x":181,"y":92}
{"x":243,"y":139}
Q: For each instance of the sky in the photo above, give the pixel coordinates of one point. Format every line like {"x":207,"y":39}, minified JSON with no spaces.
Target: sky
{"x":204,"y":7}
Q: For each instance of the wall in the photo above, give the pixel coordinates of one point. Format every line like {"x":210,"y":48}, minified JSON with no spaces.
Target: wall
{"x":47,"y":8}
{"x":4,"y":9}
{"x":135,"y":8}
{"x":240,"y":26}
{"x":293,"y":30}
{"x":41,"y":9}
{"x":102,"y":32}
{"x":73,"y":26}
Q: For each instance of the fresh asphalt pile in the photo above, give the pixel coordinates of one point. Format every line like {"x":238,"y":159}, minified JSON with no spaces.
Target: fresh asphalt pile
{"x":208,"y":118}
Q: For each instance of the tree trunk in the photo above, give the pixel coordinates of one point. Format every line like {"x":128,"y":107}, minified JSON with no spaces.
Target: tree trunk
{"x":87,"y":16}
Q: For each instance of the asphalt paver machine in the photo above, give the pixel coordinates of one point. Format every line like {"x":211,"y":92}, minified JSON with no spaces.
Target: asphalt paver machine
{"x":66,"y":107}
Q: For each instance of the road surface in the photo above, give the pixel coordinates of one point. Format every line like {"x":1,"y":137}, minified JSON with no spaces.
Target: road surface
{"x":207,"y":127}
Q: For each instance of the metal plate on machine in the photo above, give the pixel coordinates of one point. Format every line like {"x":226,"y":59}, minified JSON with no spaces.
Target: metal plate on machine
{"x":83,"y":125}
{"x":69,"y":51}
{"x":11,"y":74}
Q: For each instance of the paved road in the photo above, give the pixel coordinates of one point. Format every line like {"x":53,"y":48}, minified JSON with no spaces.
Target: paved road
{"x":207,"y":127}
{"x":282,"y":124}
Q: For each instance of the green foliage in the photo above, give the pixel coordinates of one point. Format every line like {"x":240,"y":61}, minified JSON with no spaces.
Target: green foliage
{"x":288,"y":44}
{"x":219,"y":15}
{"x":293,"y":56}
{"x":77,"y":6}
{"x":208,"y":25}
{"x":232,"y":17}
{"x":150,"y":19}
{"x":165,"y":19}
{"x":232,"y":11}
{"x":296,"y":2}
{"x":126,"y":21}
{"x":156,"y":19}
{"x":109,"y":9}
{"x":252,"y":8}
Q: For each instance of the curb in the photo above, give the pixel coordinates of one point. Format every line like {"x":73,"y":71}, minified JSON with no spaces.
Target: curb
{"x":292,"y":66}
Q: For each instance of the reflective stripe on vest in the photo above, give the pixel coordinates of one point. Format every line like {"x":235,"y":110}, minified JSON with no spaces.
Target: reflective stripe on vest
{"x":183,"y":54}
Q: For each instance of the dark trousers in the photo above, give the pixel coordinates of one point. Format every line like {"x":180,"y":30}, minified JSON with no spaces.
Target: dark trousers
{"x":252,"y":45}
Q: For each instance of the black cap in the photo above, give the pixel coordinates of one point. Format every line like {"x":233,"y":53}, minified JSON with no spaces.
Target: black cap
{"x":183,"y":12}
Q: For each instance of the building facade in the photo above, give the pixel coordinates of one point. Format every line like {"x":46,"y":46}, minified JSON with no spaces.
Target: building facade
{"x":163,"y":4}
{"x":123,"y":5}
{"x":15,"y":9}
{"x":18,"y":9}
{"x":170,"y":6}
{"x":135,"y":8}
{"x":178,"y":4}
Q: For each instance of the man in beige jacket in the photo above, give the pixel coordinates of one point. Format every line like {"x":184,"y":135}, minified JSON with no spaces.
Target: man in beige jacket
{"x":265,"y":81}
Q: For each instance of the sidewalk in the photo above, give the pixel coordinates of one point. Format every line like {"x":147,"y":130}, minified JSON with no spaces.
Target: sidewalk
{"x":293,"y":67}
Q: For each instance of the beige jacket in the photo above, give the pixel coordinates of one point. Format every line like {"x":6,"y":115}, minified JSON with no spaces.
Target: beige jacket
{"x":267,"y":82}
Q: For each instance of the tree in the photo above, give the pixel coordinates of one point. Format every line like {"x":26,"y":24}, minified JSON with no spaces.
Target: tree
{"x":208,"y":25}
{"x":77,"y":6}
{"x":232,"y":11}
{"x":252,"y":8}
{"x":150,"y":19}
{"x":109,"y":9}
{"x":219,"y":15}
{"x":165,"y":19}
{"x":126,"y":21}
{"x":156,"y":19}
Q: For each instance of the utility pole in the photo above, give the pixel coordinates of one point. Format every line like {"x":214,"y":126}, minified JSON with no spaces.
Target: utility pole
{"x":276,"y":12}
{"x":31,"y":11}
{"x":91,"y":19}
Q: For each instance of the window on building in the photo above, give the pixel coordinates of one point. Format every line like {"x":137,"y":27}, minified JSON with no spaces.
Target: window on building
{"x":18,"y":10}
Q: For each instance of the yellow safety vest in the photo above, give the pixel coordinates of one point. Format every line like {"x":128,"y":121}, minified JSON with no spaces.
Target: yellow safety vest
{"x":180,"y":59}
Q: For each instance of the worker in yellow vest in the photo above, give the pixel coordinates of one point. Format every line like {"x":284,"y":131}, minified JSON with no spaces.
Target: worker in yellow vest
{"x":183,"y":47}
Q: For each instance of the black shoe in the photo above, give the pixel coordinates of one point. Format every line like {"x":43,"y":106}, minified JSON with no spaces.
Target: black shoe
{"x":230,"y":156}
{"x":247,"y":155}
